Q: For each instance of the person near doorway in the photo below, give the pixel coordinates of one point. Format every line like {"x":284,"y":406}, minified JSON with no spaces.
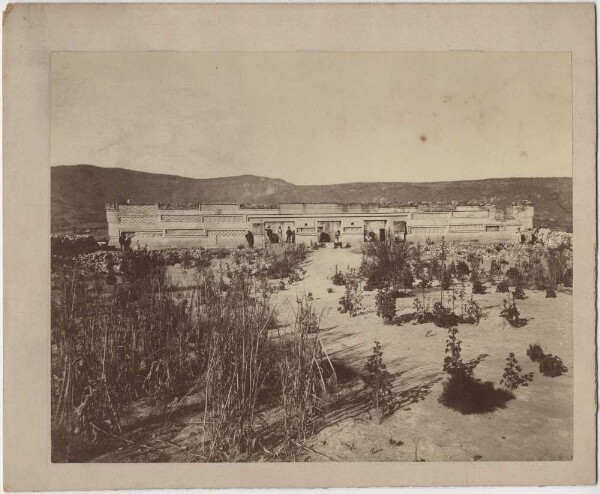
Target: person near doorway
{"x":122,"y":240}
{"x":280,"y":234}
{"x":294,"y":236}
{"x":337,"y":241}
{"x":288,"y":235}
{"x":250,"y":239}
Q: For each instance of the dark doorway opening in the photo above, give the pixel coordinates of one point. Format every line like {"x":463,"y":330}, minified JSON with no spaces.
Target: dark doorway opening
{"x":324,"y":237}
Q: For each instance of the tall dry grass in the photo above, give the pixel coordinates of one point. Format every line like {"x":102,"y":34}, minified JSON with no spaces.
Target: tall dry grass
{"x":112,"y":346}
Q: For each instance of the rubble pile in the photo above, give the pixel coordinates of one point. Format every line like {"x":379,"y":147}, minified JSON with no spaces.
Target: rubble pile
{"x":72,"y":245}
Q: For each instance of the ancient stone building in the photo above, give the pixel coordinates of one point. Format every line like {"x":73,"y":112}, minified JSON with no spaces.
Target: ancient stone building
{"x":211,"y":225}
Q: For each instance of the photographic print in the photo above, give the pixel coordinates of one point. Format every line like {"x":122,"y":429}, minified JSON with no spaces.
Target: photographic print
{"x":299,"y":245}
{"x":309,"y":257}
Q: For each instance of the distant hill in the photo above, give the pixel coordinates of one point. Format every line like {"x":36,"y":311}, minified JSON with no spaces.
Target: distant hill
{"x":79,"y":193}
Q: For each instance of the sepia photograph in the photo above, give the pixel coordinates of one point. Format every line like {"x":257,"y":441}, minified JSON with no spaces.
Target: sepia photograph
{"x":311,"y":257}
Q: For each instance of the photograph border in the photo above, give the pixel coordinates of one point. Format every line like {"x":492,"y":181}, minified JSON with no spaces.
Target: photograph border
{"x":33,"y":31}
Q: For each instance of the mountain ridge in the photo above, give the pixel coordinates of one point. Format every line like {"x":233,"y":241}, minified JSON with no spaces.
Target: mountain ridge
{"x":79,"y":192}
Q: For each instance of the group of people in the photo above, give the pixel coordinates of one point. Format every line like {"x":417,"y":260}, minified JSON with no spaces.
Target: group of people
{"x":124,"y":241}
{"x":537,"y":235}
{"x":274,"y":238}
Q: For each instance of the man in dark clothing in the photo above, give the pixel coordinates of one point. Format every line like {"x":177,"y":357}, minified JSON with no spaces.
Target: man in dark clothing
{"x":122,"y":240}
{"x":250,"y":239}
{"x":288,"y":235}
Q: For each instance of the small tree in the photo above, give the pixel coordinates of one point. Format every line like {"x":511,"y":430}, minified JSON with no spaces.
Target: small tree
{"x":378,"y":381}
{"x":535,"y":353}
{"x":453,"y":363}
{"x":386,"y":306}
{"x":510,"y":312}
{"x":351,"y":302}
{"x":513,"y":376}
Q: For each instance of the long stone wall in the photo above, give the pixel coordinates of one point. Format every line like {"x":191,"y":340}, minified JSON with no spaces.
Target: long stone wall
{"x":214,"y":225}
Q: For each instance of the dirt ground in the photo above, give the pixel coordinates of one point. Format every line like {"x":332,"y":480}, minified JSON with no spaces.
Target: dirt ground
{"x":536,"y":425}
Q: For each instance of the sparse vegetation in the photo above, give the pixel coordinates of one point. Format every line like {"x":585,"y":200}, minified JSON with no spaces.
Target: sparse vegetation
{"x":462,"y":392}
{"x":128,"y":339}
{"x":535,"y":352}
{"x":513,"y":376}
{"x":552,"y":366}
{"x":378,"y":381}
{"x":386,"y":306}
{"x":351,"y":302}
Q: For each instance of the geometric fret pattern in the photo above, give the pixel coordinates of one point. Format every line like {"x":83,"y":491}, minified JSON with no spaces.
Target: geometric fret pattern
{"x":185,"y":233}
{"x":226,"y":233}
{"x":224,"y":219}
{"x":466,"y":228}
{"x":182,"y":217}
{"x":138,"y":220}
{"x":427,"y":229}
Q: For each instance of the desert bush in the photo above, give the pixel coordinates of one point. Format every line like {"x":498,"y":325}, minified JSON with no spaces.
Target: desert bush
{"x":462,"y":392}
{"x":550,"y":293}
{"x":388,"y":265}
{"x":422,"y":312}
{"x":513,"y":276}
{"x":495,"y":268}
{"x":378,"y":381}
{"x":472,"y":313}
{"x":286,"y":264}
{"x":510,"y":312}
{"x":502,"y":287}
{"x":72,"y":245}
{"x":568,"y":278}
{"x":443,"y":316}
{"x":338,"y":278}
{"x":446,"y":281}
{"x":386,"y":306}
{"x":478,"y":287}
{"x":329,"y":290}
{"x":462,"y":269}
{"x":518,"y":293}
{"x":351,"y":302}
{"x":552,"y":366}
{"x":535,"y":352}
{"x":513,"y":376}
{"x":141,"y":263}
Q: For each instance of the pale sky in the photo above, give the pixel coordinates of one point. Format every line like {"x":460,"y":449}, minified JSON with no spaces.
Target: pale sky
{"x":315,"y":118}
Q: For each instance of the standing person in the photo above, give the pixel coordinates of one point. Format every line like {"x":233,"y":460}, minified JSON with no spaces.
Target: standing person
{"x":127,"y":242}
{"x":269,"y":233}
{"x":280,"y":234}
{"x":250,"y":239}
{"x":294,"y":236}
{"x":122,"y":240}
{"x":337,"y":240}
{"x":288,"y":235}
